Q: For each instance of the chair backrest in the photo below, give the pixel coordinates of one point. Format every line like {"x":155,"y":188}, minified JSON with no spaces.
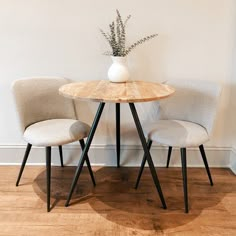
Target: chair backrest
{"x":194,"y":100}
{"x":38,"y":99}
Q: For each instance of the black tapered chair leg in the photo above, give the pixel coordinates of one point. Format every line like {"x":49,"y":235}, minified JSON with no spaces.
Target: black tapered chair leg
{"x":82,"y":144}
{"x":48,"y":175}
{"x":206,"y":163}
{"x":27,"y":151}
{"x":61,"y":155}
{"x":184,"y":173}
{"x":149,"y":144}
{"x":168,"y":156}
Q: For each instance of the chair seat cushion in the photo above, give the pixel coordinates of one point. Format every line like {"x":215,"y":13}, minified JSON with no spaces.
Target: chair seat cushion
{"x":56,"y":132}
{"x":176,"y":133}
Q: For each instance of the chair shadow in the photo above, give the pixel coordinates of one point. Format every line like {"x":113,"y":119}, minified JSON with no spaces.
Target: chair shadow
{"x":61,"y":178}
{"x":115,"y":198}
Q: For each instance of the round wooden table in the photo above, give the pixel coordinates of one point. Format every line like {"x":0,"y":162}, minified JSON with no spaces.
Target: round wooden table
{"x":105,"y":91}
{"x":130,"y":92}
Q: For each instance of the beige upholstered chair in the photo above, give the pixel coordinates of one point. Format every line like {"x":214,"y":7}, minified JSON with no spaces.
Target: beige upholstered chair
{"x":185,"y":119}
{"x":47,"y":119}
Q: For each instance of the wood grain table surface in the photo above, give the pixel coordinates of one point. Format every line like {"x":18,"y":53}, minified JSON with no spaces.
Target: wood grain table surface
{"x":106,"y":91}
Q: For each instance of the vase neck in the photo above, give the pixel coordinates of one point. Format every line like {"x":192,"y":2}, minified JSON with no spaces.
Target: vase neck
{"x":118,"y":59}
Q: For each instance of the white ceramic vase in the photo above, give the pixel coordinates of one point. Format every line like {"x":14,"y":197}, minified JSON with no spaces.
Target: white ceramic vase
{"x":118,"y":71}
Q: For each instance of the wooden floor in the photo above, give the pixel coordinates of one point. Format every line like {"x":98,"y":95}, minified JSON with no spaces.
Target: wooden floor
{"x":114,"y":207}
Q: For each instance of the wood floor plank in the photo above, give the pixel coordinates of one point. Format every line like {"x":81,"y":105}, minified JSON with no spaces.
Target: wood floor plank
{"x":114,"y":207}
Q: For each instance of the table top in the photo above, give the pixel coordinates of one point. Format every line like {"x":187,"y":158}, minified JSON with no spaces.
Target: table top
{"x":106,"y":91}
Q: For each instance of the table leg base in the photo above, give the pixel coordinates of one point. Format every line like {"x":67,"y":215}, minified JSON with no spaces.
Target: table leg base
{"x":85,"y":152}
{"x":147,"y":153}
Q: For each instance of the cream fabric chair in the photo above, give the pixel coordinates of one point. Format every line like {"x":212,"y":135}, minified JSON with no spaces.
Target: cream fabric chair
{"x":185,"y":119}
{"x":47,"y":119}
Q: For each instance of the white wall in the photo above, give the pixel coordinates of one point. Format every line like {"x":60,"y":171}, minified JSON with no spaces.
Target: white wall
{"x":62,"y":38}
{"x":233,"y":91}
{"x":233,"y":107}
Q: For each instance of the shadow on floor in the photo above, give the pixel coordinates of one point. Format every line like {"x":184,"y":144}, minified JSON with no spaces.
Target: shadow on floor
{"x":115,"y":198}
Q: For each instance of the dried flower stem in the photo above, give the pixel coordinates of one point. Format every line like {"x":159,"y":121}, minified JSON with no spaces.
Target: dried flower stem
{"x":117,"y":37}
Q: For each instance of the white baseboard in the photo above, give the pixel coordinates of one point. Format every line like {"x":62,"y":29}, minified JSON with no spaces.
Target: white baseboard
{"x":233,"y":160}
{"x":131,"y":155}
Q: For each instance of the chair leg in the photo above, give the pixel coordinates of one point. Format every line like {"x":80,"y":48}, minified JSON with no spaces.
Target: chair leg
{"x":149,"y":144}
{"x":82,"y":144}
{"x":168,"y":157}
{"x":61,"y":155}
{"x":27,"y":151}
{"x":206,"y":163}
{"x":48,"y":175}
{"x":184,"y":173}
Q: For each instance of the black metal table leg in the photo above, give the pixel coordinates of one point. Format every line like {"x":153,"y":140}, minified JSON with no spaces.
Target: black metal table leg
{"x":85,"y":151}
{"x":147,"y":153}
{"x":82,"y":144}
{"x":118,"y":133}
{"x":149,"y":144}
